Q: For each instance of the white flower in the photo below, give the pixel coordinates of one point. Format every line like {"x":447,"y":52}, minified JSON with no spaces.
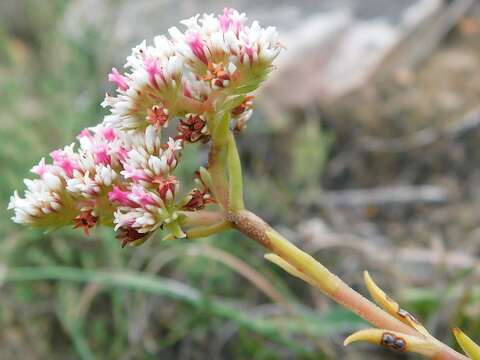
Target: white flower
{"x":147,"y":162}
{"x":42,"y":204}
{"x":150,"y":213}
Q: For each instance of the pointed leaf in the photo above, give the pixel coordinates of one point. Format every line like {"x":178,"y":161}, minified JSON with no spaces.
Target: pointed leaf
{"x":304,"y":263}
{"x":277,"y":260}
{"x":394,"y":340}
{"x":467,"y":344}
{"x":391,"y":306}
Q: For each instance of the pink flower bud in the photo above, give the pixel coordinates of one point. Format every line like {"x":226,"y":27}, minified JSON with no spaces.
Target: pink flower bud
{"x":141,"y":197}
{"x":166,"y":188}
{"x":119,"y":196}
{"x":153,"y":70}
{"x":40,"y":169}
{"x":119,"y":79}
{"x":86,"y":133}
{"x":231,"y":20}
{"x":108,"y":134}
{"x":196,"y":44}
{"x":62,"y":159}
{"x":101,"y":155}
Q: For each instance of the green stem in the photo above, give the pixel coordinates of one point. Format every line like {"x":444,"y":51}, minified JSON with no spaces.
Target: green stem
{"x":235,"y":193}
{"x":217,"y":159}
{"x":204,"y":231}
{"x":175,"y":230}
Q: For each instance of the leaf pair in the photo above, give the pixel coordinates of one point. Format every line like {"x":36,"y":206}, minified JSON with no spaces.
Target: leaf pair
{"x":423,"y":343}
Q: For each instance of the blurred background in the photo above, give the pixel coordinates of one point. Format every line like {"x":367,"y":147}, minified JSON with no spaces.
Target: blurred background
{"x":363,"y":150}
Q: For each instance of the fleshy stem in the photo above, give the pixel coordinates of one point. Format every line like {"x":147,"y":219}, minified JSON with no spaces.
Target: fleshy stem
{"x":319,"y":276}
{"x":217,"y":159}
{"x":227,"y":176}
{"x":235,"y":192}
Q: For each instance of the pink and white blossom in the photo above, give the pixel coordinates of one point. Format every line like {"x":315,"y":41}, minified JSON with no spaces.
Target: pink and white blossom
{"x":178,"y":74}
{"x":121,"y":173}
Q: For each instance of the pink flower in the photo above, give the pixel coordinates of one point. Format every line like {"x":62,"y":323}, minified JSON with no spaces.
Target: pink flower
{"x":57,"y":155}
{"x":118,"y":79}
{"x":109,"y":134}
{"x":120,"y":196}
{"x":40,"y":169}
{"x":61,"y":159}
{"x":85,"y":133}
{"x":167,"y":187}
{"x":153,"y":70}
{"x":130,"y":172}
{"x":228,"y":22}
{"x":122,"y":172}
{"x":122,"y":153}
{"x":101,"y":155}
{"x":196,"y":44}
{"x":249,"y":51}
{"x":140,"y":196}
{"x":186,"y":89}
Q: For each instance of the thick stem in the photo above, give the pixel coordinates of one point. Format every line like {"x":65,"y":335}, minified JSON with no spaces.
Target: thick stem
{"x":216,"y":169}
{"x":447,"y":353}
{"x":235,"y":191}
{"x":202,"y":217}
{"x":217,"y":158}
{"x":258,"y":230}
{"x":203,"y":223}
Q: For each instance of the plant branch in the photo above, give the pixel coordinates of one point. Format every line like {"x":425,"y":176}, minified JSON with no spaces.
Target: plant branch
{"x":258,"y":230}
{"x":204,"y":231}
{"x":202,"y":217}
{"x":306,"y":267}
{"x":224,"y":159}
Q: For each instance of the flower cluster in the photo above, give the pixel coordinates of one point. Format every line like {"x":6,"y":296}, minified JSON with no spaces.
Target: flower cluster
{"x":210,"y":66}
{"x":73,"y":188}
{"x":121,"y":172}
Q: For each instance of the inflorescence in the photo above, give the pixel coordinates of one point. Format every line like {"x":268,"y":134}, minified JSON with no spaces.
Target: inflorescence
{"x":122,"y":172}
